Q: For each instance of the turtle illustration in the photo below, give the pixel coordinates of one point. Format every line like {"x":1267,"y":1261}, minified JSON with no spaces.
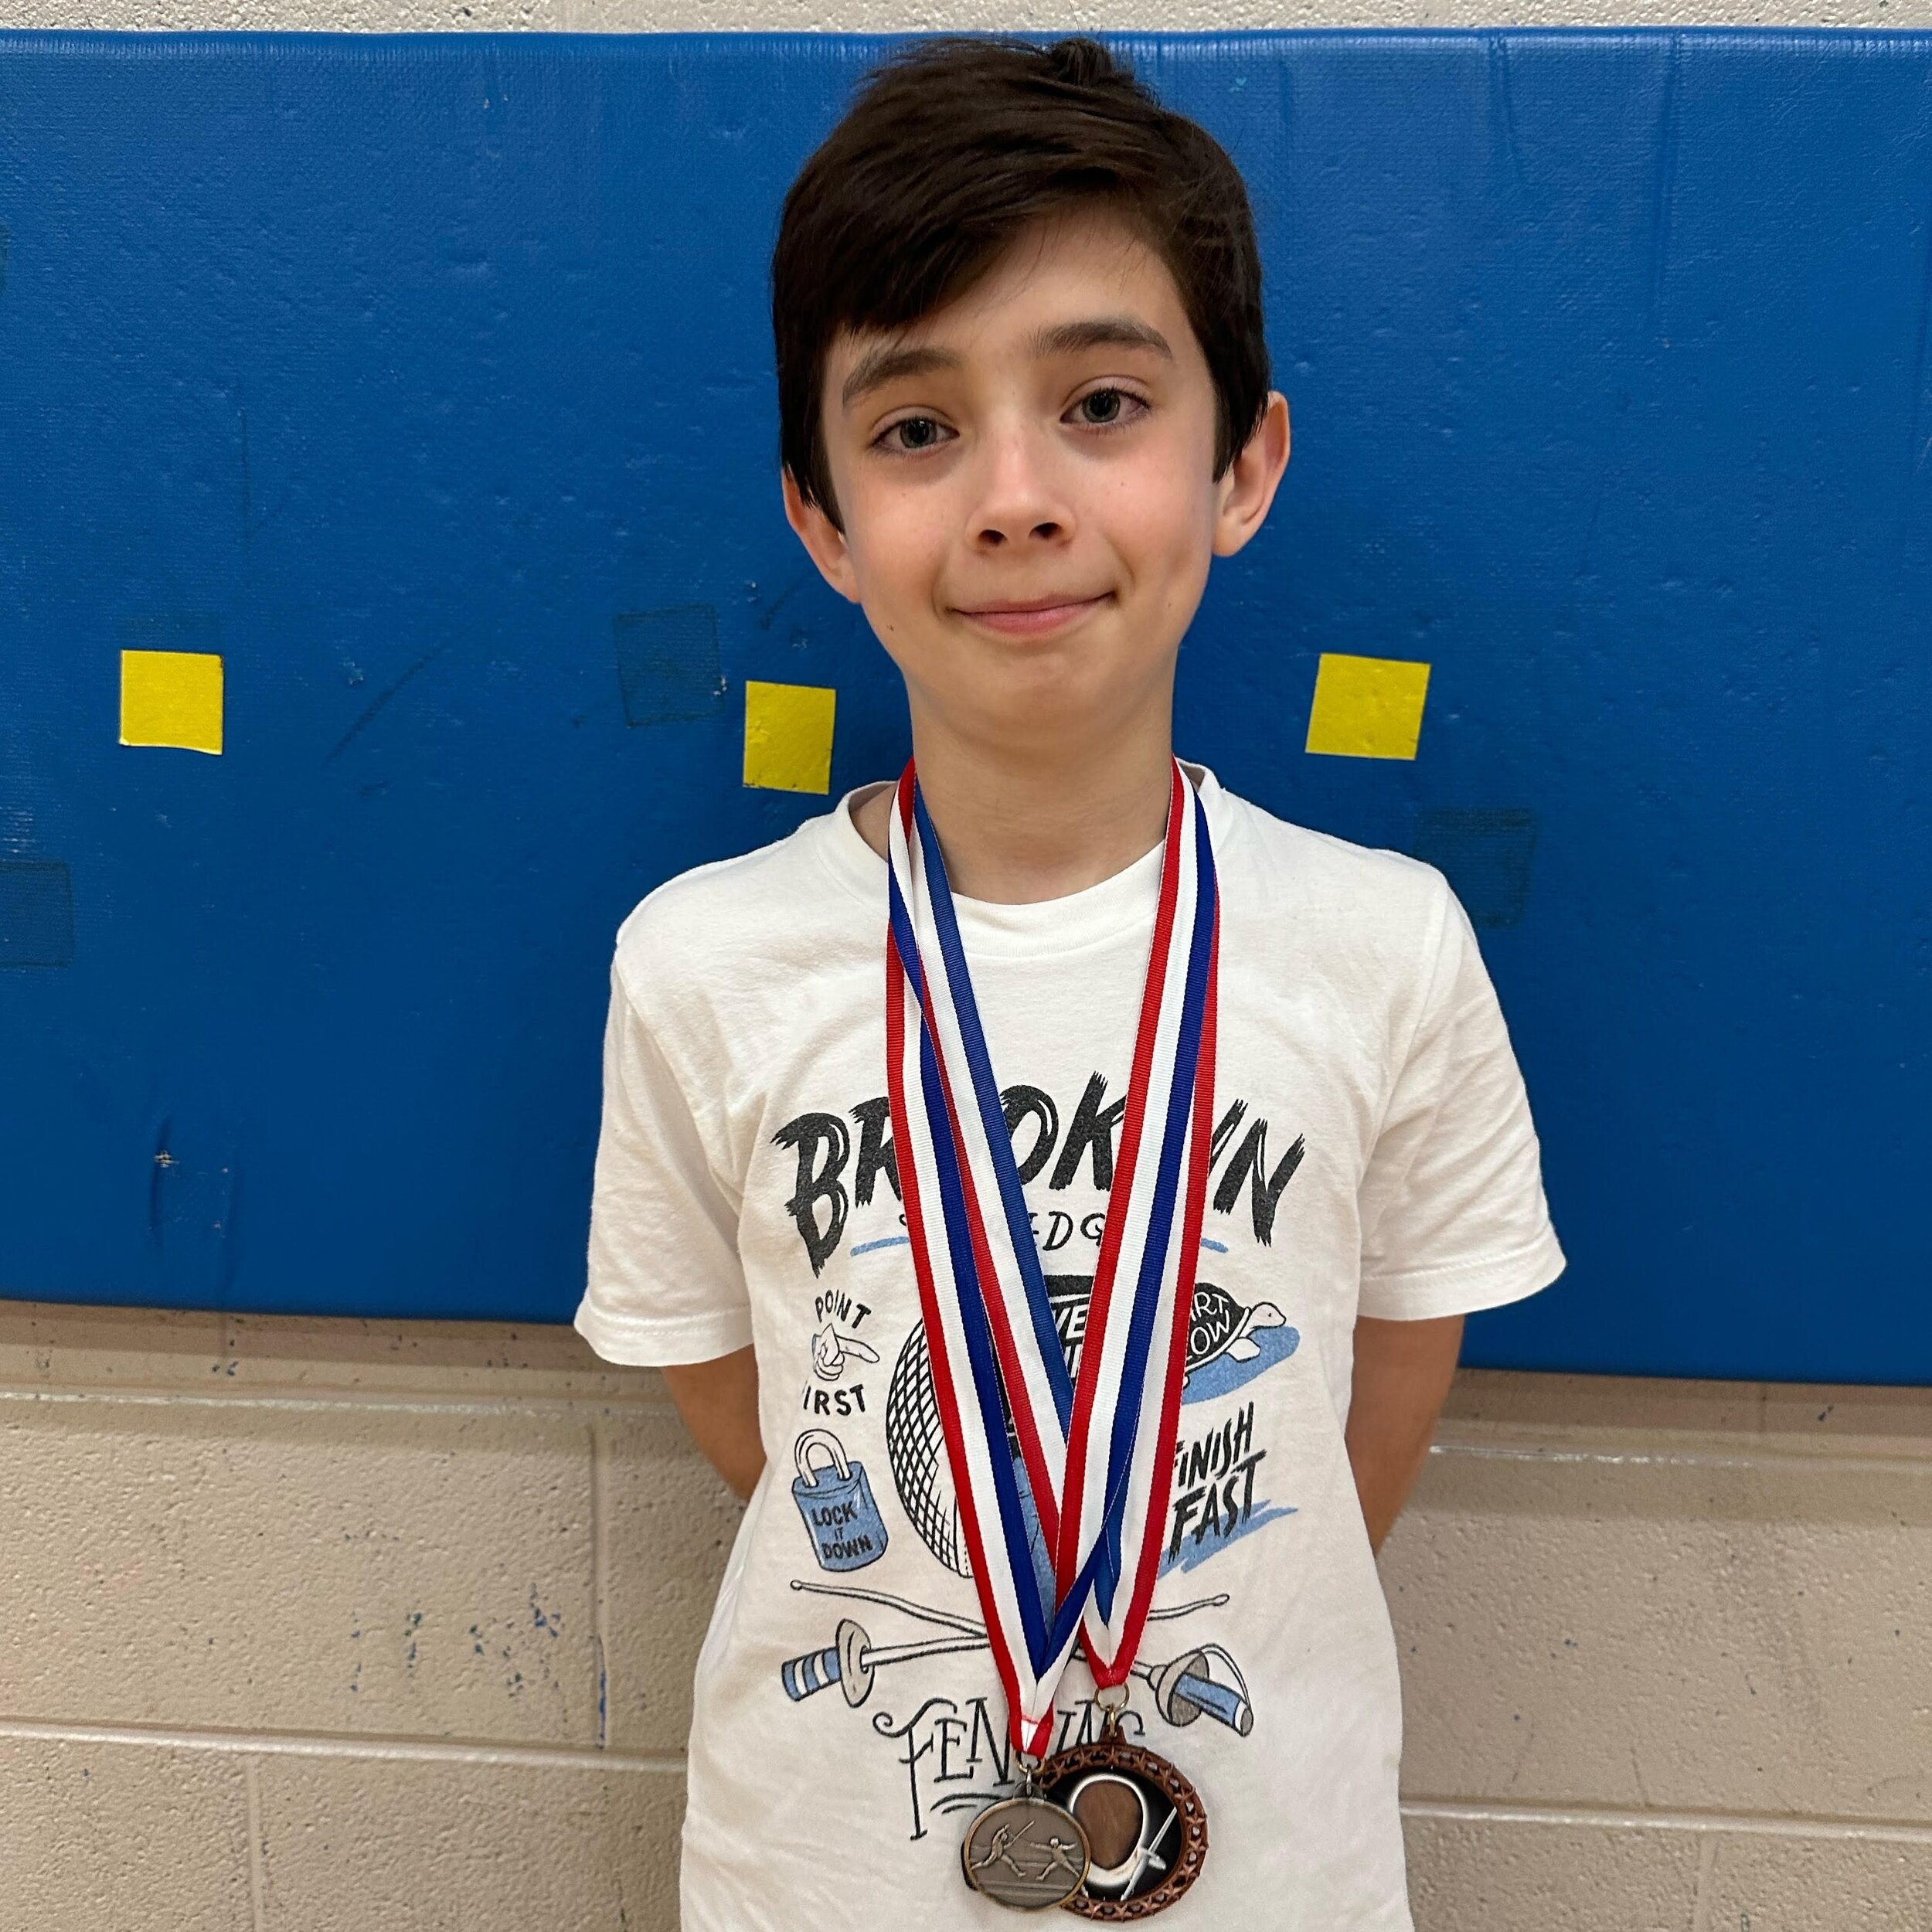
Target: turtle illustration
{"x":1218,"y":1325}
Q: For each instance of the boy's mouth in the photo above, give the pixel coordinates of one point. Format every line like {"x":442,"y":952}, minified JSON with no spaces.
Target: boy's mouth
{"x":1031,"y":617}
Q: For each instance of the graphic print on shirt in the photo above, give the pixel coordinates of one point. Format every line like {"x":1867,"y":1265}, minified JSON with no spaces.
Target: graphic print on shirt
{"x":1214,"y":1473}
{"x":963,"y":1743}
{"x":840,"y":1355}
{"x":953,"y":1749}
{"x":835,"y":1176}
{"x":834,"y":1497}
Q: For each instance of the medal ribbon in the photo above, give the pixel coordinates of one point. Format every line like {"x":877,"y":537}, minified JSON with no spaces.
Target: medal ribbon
{"x":1065,"y":1538}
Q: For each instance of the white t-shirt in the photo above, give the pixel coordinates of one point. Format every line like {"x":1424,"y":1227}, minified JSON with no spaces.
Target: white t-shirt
{"x":1373,"y":1154}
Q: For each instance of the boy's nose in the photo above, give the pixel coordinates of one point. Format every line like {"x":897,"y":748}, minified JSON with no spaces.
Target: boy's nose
{"x":1022,"y":495}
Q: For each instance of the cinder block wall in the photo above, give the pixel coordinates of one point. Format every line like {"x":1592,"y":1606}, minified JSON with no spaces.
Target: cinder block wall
{"x":340,"y":1625}
{"x":1665,"y":1648}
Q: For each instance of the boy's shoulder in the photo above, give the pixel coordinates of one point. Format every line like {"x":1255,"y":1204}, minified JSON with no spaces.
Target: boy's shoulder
{"x":762,"y":911}
{"x":1352,"y":894}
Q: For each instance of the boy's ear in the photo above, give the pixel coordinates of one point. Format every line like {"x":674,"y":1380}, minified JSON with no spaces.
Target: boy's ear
{"x":824,"y":541}
{"x":1248,"y":488}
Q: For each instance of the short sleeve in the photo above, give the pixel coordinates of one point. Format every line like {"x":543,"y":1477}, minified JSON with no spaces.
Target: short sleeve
{"x":664,"y":1284}
{"x":1454,"y":1216}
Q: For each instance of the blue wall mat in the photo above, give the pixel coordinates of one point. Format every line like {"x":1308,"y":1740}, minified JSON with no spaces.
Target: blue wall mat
{"x":428,"y":380}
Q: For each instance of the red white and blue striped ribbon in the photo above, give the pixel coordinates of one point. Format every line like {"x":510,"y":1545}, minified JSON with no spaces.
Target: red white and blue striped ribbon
{"x":1065,"y":1537}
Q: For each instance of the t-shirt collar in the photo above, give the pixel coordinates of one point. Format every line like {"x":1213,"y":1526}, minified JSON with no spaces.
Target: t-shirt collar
{"x":1121,"y":902}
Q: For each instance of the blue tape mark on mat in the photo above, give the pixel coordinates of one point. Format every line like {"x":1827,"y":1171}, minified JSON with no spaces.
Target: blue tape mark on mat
{"x":1484,"y":853}
{"x":37,"y":912}
{"x":669,"y":666}
{"x":410,"y":361}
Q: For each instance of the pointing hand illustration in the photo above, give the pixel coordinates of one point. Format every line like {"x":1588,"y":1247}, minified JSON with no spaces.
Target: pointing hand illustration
{"x":830,"y":1349}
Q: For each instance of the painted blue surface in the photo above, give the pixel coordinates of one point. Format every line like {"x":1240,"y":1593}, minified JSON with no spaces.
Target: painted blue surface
{"x":430,"y":379}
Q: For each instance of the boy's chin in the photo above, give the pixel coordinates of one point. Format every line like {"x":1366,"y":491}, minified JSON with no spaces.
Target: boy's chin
{"x":1051,"y":716}
{"x":1038,"y":693}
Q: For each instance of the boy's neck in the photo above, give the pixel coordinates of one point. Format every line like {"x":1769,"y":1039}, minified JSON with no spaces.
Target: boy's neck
{"x":1020,"y":828}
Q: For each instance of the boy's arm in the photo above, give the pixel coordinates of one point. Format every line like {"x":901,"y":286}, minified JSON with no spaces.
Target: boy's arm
{"x":1402,"y":1370}
{"x":718,"y":1401}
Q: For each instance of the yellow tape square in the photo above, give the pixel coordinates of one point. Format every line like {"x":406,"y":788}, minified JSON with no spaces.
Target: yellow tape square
{"x":1367,"y":707}
{"x":172,"y":697}
{"x":788,"y":737}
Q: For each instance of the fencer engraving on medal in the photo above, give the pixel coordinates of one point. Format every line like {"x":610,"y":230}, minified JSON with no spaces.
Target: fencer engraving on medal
{"x":1025,"y":1853}
{"x":1145,"y":1826}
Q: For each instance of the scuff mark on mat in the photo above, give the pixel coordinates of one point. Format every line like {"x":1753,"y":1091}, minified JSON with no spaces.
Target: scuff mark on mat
{"x":1918,"y":444}
{"x":381,"y":698}
{"x":777,"y":604}
{"x":194,"y":1183}
{"x":1502,"y":108}
{"x":1664,"y":206}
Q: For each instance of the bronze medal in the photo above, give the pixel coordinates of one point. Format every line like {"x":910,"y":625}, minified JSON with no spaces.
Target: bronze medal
{"x":1026,"y":1851}
{"x":1145,"y":1826}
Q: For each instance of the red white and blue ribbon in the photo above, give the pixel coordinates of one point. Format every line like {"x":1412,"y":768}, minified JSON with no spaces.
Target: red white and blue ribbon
{"x":1065,"y":1536}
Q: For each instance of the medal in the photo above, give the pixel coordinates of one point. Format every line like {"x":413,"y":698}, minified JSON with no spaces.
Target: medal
{"x":1062,"y":1481}
{"x":1144,"y":1825}
{"x":1027,"y":1851}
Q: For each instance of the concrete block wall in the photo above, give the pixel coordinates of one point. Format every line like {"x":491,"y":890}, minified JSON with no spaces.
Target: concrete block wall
{"x":331,"y":1625}
{"x":1666,"y":1650}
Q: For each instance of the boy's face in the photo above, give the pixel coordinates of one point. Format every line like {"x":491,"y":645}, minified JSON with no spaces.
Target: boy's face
{"x":1046,"y":441}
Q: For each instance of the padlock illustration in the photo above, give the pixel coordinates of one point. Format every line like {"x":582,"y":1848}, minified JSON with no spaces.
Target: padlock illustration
{"x":834,"y":1497}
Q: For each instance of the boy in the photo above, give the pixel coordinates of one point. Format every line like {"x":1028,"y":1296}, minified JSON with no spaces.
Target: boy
{"x":1051,"y":1187}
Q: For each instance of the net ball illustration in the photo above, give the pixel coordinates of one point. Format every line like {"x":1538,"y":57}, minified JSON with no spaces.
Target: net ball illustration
{"x":916,"y":1447}
{"x":1218,"y":1325}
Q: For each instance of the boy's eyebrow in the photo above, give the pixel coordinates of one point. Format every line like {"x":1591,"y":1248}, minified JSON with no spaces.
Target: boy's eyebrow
{"x":1104,"y":332}
{"x":888,"y":363}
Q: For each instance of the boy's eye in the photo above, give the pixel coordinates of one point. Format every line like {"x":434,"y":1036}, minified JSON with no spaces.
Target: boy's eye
{"x":1102,"y":408}
{"x":1099,"y":409}
{"x":913,"y":433}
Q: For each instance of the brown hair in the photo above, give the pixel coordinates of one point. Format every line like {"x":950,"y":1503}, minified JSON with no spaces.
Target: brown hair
{"x":953,"y":146}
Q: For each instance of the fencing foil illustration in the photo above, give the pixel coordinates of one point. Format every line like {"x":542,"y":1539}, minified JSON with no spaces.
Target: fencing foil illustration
{"x":1204,"y":1681}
